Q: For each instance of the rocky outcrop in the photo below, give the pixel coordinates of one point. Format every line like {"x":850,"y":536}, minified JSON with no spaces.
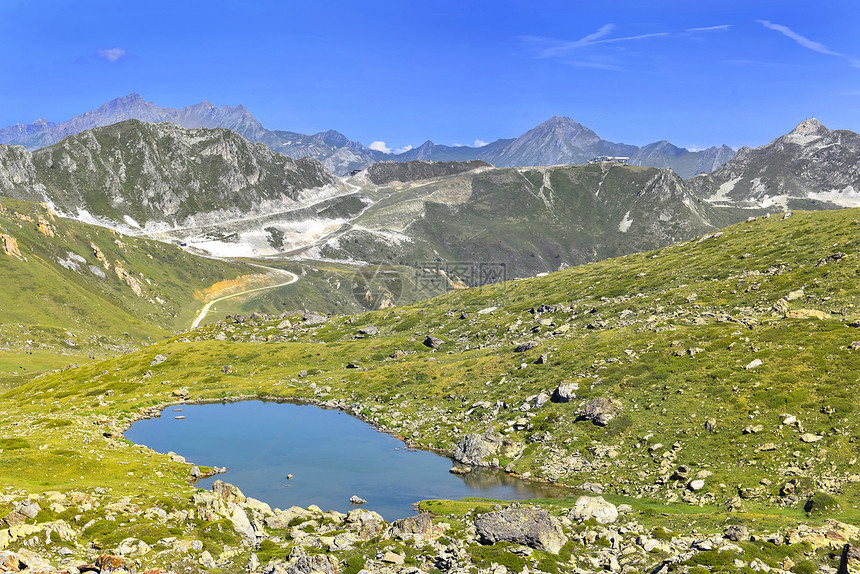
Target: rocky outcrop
{"x":10,"y":246}
{"x":474,"y":449}
{"x":595,"y":507}
{"x":532,"y":527}
{"x":600,"y":411}
{"x":565,"y":393}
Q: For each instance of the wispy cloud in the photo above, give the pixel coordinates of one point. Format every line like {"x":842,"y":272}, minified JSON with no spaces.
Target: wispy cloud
{"x":110,"y":54}
{"x":582,"y":53}
{"x":560,"y":48}
{"x":806,"y":42}
{"x":719,"y":28}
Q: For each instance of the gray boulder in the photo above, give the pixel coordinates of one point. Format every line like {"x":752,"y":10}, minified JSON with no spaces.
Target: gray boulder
{"x":28,"y":508}
{"x":227,"y":492}
{"x":565,"y":393}
{"x":601,"y":411}
{"x":475,"y":448}
{"x":532,"y":527}
{"x":595,"y":507}
{"x":433,"y":342}
{"x":157,"y":360}
{"x":736,"y":532}
{"x":418,"y":527}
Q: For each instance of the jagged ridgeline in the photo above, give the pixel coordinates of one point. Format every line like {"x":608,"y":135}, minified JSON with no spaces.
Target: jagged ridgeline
{"x":707,"y":389}
{"x":71,"y":285}
{"x":559,"y":140}
{"x":137,"y":173}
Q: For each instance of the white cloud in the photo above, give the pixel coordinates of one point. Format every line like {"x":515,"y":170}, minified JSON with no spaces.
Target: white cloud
{"x":110,"y":54}
{"x":480,"y":143}
{"x":559,"y":48}
{"x":806,"y":42}
{"x":710,"y":28}
{"x":403,"y":149}
{"x":380,"y":146}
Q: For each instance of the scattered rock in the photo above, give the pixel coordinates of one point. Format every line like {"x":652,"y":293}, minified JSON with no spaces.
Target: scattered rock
{"x":809,"y":437}
{"x":227,"y":369}
{"x":565,"y":392}
{"x":433,"y":342}
{"x":711,"y":424}
{"x":392,"y":558}
{"x":794,"y":295}
{"x":595,"y":507}
{"x":697,"y":485}
{"x":28,"y":508}
{"x":838,"y":256}
{"x":594,"y":487}
{"x":459,"y":470}
{"x":736,"y":533}
{"x":854,"y":346}
{"x":601,"y":410}
{"x":753,"y":364}
{"x":527,"y":346}
{"x":107,"y":563}
{"x":540,"y":400}
{"x":357,"y":500}
{"x":532,"y":527}
{"x":369,"y":330}
{"x":313,"y":318}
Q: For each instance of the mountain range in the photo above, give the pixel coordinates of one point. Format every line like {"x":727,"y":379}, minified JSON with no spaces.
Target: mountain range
{"x":215,"y":190}
{"x":559,"y":140}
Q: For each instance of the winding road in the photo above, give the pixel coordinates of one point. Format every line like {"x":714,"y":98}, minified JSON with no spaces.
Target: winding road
{"x":202,"y":314}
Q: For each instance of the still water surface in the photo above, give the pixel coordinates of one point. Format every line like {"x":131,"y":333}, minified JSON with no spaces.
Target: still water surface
{"x":331,"y":456}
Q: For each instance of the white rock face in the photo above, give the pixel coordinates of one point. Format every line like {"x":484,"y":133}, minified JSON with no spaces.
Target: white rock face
{"x":594,"y":507}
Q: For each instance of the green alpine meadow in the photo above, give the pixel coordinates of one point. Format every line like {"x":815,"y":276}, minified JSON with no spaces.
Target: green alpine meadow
{"x":699,"y":401}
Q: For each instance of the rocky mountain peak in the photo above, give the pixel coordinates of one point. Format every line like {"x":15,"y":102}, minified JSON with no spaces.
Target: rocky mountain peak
{"x":806,"y":131}
{"x":561,"y":126}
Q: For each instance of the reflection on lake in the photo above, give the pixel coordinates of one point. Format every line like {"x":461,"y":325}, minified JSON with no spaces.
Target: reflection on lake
{"x":331,"y":455}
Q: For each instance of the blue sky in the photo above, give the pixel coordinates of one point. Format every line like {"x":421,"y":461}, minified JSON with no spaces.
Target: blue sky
{"x":694,"y":72}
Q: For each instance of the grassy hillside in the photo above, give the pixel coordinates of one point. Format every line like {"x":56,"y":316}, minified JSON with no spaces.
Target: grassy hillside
{"x":82,"y":290}
{"x":733,"y":359}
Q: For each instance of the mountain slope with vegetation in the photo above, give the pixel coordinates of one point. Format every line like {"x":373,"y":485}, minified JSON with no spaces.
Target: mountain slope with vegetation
{"x":531,"y":219}
{"x":134,"y":174}
{"x":708,"y":387}
{"x":79,"y":289}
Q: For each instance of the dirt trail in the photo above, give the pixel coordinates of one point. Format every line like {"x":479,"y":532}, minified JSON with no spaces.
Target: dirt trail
{"x":202,"y":314}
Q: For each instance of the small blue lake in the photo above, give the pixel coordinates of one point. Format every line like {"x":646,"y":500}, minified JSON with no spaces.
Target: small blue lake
{"x":331,"y":455}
